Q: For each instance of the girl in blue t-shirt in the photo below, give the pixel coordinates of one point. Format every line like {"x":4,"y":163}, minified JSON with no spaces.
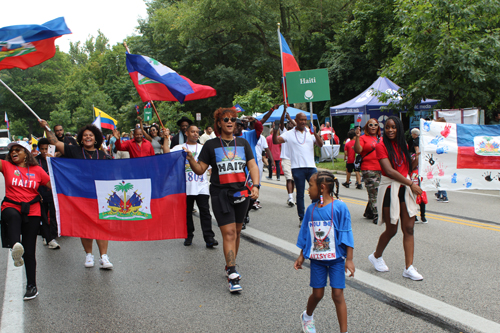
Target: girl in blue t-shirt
{"x":326,"y":239}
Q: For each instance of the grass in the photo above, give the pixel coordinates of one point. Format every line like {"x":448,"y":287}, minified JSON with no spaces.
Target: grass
{"x":339,"y":164}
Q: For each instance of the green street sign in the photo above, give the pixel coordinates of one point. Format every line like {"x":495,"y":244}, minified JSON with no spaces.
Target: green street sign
{"x":148,"y":114}
{"x":308,"y":86}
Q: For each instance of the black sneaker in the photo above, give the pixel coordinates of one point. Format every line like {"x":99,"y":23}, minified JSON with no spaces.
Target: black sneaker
{"x":31,"y":292}
{"x":188,"y":241}
{"x":346,"y":184}
{"x":211,"y":243}
{"x":359,"y":187}
{"x":375,"y":219}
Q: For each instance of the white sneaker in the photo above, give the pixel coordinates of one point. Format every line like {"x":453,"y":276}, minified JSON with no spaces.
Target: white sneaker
{"x":378,"y":263}
{"x":89,"y":260}
{"x":53,"y":244}
{"x":17,"y":254}
{"x":307,"y":325}
{"x":290,"y":203}
{"x":44,"y":241}
{"x":411,"y":273}
{"x":104,"y":262}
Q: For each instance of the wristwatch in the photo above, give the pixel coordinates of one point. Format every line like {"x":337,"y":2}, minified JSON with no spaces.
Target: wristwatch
{"x":258,"y":186}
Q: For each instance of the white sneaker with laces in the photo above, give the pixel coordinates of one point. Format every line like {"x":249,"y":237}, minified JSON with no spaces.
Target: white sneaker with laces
{"x":89,"y":260}
{"x":307,"y":325}
{"x":17,"y":254}
{"x":104,"y":262}
{"x":411,"y":273}
{"x":53,"y":244}
{"x":290,"y":203}
{"x":378,"y":263}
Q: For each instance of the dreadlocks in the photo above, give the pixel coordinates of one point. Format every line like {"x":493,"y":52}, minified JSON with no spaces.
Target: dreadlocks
{"x":327,"y":178}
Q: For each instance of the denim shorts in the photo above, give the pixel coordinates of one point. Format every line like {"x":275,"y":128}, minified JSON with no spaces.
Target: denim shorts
{"x":321,"y":269}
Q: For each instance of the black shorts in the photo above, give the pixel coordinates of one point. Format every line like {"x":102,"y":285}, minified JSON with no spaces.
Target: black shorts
{"x":236,"y":213}
{"x":387,"y":196}
{"x":350,"y":167}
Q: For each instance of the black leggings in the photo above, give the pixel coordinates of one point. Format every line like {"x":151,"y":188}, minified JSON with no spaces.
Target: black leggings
{"x":29,"y":232}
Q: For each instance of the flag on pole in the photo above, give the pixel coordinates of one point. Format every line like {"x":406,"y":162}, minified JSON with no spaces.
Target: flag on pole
{"x":97,"y":122}
{"x":137,"y":109}
{"x":157,"y":82}
{"x":288,"y":62}
{"x":106,"y":120}
{"x":238,"y":108}
{"x":143,"y":199}
{"x":7,"y":121}
{"x":34,"y":141}
{"x":23,"y":46}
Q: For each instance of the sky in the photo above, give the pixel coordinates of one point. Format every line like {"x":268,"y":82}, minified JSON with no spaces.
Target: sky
{"x":116,"y":19}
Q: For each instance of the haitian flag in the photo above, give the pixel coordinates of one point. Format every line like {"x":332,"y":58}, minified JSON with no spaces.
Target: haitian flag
{"x":138,"y":199}
{"x":23,"y":46}
{"x":155,"y":81}
{"x":458,"y":156}
{"x":287,"y":59}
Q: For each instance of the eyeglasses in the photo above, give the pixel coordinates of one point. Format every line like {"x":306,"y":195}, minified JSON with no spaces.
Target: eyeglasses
{"x":372,"y":125}
{"x":16,"y":150}
{"x":226,"y":120}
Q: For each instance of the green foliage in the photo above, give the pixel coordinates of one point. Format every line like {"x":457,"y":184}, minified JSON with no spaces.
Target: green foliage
{"x":255,"y":100}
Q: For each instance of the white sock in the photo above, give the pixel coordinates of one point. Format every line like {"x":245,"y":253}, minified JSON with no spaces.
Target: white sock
{"x":290,"y":196}
{"x":306,"y":317}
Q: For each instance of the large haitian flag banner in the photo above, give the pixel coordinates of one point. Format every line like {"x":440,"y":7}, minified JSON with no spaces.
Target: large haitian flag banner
{"x":457,"y":157}
{"x":24,"y":46}
{"x":136,"y":199}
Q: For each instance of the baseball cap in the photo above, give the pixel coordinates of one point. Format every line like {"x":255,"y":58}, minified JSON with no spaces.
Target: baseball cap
{"x":23,"y":144}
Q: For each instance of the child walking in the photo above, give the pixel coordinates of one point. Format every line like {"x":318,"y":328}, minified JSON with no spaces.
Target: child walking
{"x":326,"y":239}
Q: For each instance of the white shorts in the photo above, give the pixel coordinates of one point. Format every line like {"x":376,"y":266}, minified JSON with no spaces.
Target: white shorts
{"x":287,"y":168}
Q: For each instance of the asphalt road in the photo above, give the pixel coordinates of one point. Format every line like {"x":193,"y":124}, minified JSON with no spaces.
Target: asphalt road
{"x":165,"y":287}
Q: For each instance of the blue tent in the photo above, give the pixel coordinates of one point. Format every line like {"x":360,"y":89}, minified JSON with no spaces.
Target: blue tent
{"x":367,"y":101}
{"x":291,"y":111}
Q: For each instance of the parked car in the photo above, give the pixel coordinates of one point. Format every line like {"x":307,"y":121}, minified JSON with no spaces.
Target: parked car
{"x":3,"y":147}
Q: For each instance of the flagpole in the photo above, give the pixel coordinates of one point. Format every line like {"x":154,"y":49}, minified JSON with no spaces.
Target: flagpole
{"x":157,"y":115}
{"x":282,"y":68}
{"x":26,"y":105}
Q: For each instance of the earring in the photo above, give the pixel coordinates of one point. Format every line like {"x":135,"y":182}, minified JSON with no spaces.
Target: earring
{"x":95,"y":142}
{"x":321,"y":199}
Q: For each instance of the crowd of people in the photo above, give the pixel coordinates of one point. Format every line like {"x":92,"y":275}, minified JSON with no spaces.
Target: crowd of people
{"x":224,"y":168}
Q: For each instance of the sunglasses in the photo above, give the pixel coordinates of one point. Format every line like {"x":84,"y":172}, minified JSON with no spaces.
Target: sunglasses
{"x":372,"y":125}
{"x":226,"y":120}
{"x":16,"y":150}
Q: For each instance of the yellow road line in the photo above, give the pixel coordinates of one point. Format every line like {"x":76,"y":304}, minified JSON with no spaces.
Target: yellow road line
{"x":443,"y":218}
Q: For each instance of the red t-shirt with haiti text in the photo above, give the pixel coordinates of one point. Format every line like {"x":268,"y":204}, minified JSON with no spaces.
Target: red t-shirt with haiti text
{"x":22,"y":186}
{"x":399,"y":164}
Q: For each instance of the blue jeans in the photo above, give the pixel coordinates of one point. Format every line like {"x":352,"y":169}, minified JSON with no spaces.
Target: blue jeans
{"x":300,"y":176}
{"x":442,"y":194}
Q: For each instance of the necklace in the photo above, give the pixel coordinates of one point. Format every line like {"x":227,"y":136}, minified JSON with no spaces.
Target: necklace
{"x":21,"y":174}
{"x":228,"y":142}
{"x":224,"y":150}
{"x":196,"y":151}
{"x":312,"y":221}
{"x":305,"y":136}
{"x":85,"y":153}
{"x":397,"y":160}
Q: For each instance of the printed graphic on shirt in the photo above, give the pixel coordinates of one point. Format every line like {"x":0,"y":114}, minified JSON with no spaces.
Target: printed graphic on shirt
{"x":323,"y":240}
{"x":230,"y":164}
{"x":27,"y":180}
{"x":128,"y":200}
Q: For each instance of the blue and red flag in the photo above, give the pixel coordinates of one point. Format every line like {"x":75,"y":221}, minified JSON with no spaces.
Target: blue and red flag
{"x":238,"y":108}
{"x":157,"y":82}
{"x":143,"y":199}
{"x":23,"y":46}
{"x":7,"y":121}
{"x":288,"y":61}
{"x":478,"y":146}
{"x":137,"y":109}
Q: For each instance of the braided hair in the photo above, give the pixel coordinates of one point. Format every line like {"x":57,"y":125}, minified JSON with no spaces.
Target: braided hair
{"x":400,"y":142}
{"x":327,"y":178}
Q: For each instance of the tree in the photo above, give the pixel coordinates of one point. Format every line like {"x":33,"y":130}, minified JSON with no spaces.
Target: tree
{"x":449,"y":50}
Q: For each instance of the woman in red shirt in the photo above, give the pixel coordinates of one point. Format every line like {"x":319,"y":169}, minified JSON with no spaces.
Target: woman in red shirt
{"x":397,"y":196}
{"x":370,"y":168}
{"x":21,"y":208}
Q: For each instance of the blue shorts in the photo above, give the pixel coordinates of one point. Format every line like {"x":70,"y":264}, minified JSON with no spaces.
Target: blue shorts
{"x":320,"y":269}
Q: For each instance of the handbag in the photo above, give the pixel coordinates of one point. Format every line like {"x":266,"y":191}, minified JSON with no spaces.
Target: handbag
{"x":359,"y":159}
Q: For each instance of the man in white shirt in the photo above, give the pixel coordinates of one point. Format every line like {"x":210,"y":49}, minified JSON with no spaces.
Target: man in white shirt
{"x":259,"y":147}
{"x":197,"y":189}
{"x":209,"y":134}
{"x":301,"y":148}
{"x":285,"y":161}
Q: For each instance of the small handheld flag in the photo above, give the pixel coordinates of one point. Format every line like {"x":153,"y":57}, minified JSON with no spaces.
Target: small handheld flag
{"x":107,"y":121}
{"x":7,"y":121}
{"x":238,"y":108}
{"x":137,"y":109}
{"x":97,"y":122}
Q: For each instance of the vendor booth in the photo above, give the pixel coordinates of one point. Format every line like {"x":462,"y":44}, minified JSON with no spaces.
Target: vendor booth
{"x":368,"y":104}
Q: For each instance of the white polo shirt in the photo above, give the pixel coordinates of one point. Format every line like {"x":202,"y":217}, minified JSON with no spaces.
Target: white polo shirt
{"x":301,"y":148}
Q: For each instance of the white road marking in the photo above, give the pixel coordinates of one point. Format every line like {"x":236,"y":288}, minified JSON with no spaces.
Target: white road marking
{"x":12,"y":310}
{"x":430,"y":304}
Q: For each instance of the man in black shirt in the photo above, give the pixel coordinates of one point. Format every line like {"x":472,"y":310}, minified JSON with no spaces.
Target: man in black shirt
{"x":59,"y":132}
{"x":49,"y":231}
